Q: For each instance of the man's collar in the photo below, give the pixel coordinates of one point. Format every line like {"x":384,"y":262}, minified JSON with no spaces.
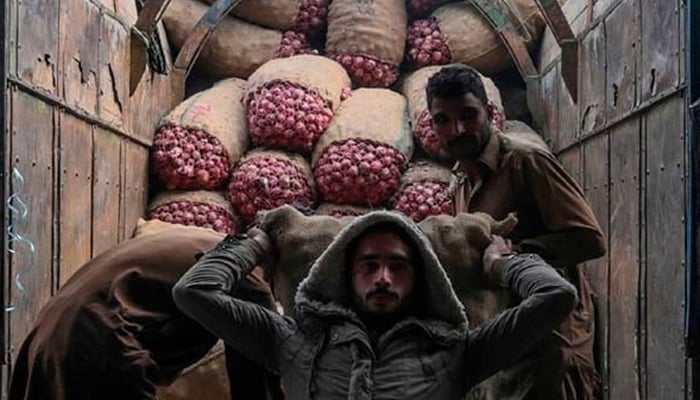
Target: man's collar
{"x":490,"y":156}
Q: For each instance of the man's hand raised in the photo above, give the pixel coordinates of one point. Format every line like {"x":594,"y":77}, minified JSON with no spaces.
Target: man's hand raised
{"x":499,"y":249}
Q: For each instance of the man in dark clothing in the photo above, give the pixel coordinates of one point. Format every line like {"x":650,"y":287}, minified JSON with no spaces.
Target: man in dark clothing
{"x":113,"y":332}
{"x":376,"y":317}
{"x":497,"y":174}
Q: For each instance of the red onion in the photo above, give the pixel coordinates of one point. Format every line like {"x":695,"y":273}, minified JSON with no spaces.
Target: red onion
{"x":426,"y":45}
{"x":294,"y":43}
{"x":367,"y":71}
{"x":359,"y":172}
{"x":422,"y":199}
{"x":195,"y":213}
{"x":189,"y":159}
{"x":266,"y":182}
{"x":311,"y":17}
{"x":288,"y":116}
{"x":345,"y":93}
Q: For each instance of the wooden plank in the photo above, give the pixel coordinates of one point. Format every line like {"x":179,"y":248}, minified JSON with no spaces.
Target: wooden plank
{"x":660,"y":54}
{"x":549,"y":106}
{"x":568,"y":124}
{"x":32,"y":138}
{"x":127,"y":11}
{"x":80,"y":27}
{"x":592,"y":80}
{"x":596,"y":188}
{"x":37,"y":43}
{"x":571,"y":161}
{"x":11,"y":44}
{"x":135,"y":186}
{"x":621,"y":46}
{"x":665,"y":250}
{"x":603,"y":6}
{"x":106,"y":190}
{"x":624,"y":260}
{"x":111,"y":5}
{"x":75,"y":195}
{"x":114,"y":70}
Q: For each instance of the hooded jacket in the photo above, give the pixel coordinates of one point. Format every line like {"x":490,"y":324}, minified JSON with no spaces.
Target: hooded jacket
{"x":324,"y":352}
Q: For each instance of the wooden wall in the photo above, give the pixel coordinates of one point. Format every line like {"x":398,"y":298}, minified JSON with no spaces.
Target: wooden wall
{"x":625,"y":140}
{"x":77,"y":138}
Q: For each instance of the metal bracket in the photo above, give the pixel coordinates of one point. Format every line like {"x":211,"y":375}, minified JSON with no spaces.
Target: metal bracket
{"x":559,"y":25}
{"x":197,"y":39}
{"x":145,"y":25}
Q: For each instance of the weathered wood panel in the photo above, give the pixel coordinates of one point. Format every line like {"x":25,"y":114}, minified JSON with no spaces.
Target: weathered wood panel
{"x":568,"y":125}
{"x":114,"y":67}
{"x":571,"y":161}
{"x":621,"y":49}
{"x":624,"y":260}
{"x":32,"y":140}
{"x":79,"y":28}
{"x":134,"y":188}
{"x":75,"y":195}
{"x":596,"y":177}
{"x":660,"y":60}
{"x":37,"y":43}
{"x":106,"y":190}
{"x":592,"y":80}
{"x":665,"y":250}
{"x":111,"y":5}
{"x":549,"y":110}
{"x":603,"y":6}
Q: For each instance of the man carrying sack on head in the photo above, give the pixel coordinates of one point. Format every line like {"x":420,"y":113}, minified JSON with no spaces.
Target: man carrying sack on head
{"x":497,"y":175}
{"x":376,"y":316}
{"x":112,"y":332}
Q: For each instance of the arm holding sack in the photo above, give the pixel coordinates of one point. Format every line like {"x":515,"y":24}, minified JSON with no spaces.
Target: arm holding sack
{"x":547,"y":300}
{"x":204,"y":294}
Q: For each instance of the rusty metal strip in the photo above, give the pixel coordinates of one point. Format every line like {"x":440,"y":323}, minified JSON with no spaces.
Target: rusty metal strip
{"x":150,"y":15}
{"x":500,"y":17}
{"x":194,"y":44}
{"x":560,"y":27}
{"x":148,"y":19}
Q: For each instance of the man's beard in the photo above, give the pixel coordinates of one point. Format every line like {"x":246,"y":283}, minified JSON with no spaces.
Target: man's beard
{"x":468,"y":147}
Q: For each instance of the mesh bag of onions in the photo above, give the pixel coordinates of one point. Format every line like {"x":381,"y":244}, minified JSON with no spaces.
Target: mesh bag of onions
{"x":199,"y":208}
{"x":413,"y":87}
{"x":368,"y":39}
{"x":458,"y":33}
{"x":341,"y":210}
{"x":235,"y":48}
{"x":267,"y":179}
{"x":424,"y":191}
{"x":291,"y":101}
{"x":360,"y":157}
{"x":199,"y":140}
{"x":305,"y":16}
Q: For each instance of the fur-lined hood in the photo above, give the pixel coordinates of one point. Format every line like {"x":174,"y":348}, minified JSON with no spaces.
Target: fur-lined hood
{"x":325,"y":292}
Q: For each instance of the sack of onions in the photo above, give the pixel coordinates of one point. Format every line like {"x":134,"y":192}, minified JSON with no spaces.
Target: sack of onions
{"x":424,"y":191}
{"x":198,"y":142}
{"x":199,"y":208}
{"x":291,"y":101}
{"x":267,"y":179}
{"x":423,"y":8}
{"x":360,"y":157}
{"x":368,"y":39}
{"x":341,"y":210}
{"x":305,"y":16}
{"x":413,"y":87}
{"x":458,"y":33}
{"x":236,"y":48}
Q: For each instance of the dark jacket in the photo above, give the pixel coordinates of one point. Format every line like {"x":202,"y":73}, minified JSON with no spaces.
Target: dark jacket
{"x":325,"y":351}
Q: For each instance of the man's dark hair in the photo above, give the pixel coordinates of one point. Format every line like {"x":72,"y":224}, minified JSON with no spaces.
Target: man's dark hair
{"x":383,"y":227}
{"x":455,"y":81}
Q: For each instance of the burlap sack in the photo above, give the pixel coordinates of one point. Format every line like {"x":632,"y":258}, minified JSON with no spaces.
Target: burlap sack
{"x":235,"y":48}
{"x":320,"y":75}
{"x":148,"y":227}
{"x":375,"y":28}
{"x":376,"y":115}
{"x":459,"y":243}
{"x":473,"y":41}
{"x":336,"y":210}
{"x":205,"y":380}
{"x":414,"y":84}
{"x":295,"y":159}
{"x":424,"y":170}
{"x":219,"y":112}
{"x":275,"y":14}
{"x":520,"y":135}
{"x":198,"y":196}
{"x":299,"y":240}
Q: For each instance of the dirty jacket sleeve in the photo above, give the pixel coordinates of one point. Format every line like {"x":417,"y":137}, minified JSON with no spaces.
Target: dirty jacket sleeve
{"x":503,"y":340}
{"x":204,"y":294}
{"x":573,"y":234}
